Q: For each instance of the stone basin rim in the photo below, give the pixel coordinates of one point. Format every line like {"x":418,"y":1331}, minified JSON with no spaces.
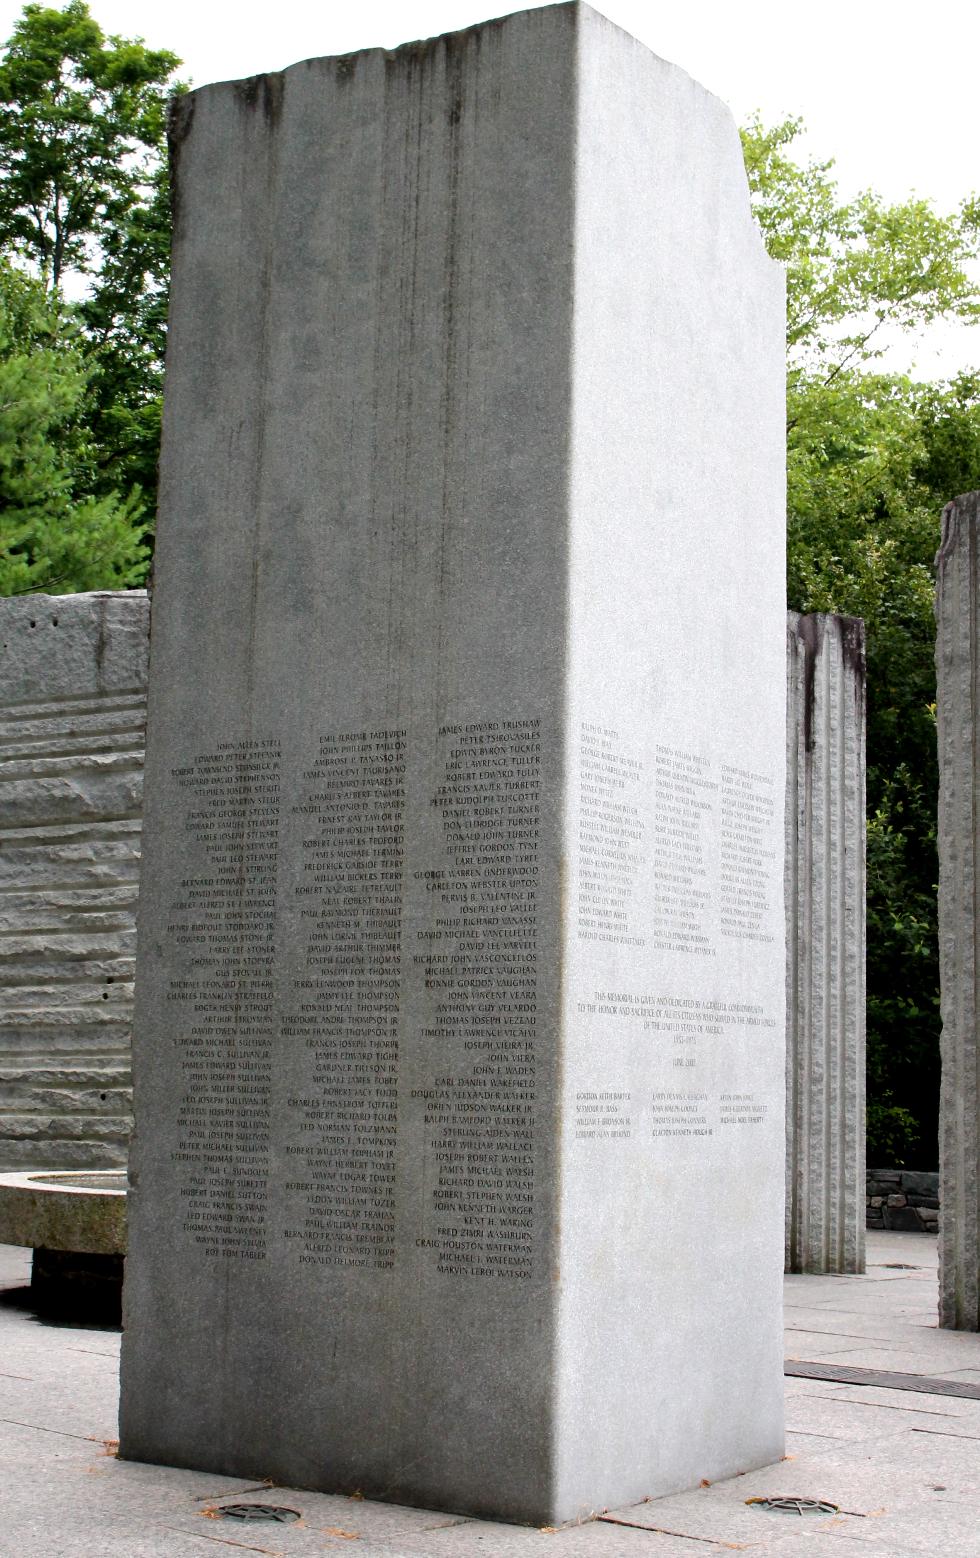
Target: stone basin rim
{"x":66,"y":1182}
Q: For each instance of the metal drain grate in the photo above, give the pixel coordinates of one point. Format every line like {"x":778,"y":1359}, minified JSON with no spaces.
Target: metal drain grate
{"x":257,"y":1512}
{"x":886,"y":1380}
{"x":794,"y":1506}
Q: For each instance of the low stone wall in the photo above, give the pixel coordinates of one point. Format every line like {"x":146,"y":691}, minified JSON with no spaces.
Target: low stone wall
{"x":906,"y":1200}
{"x":72,"y":711}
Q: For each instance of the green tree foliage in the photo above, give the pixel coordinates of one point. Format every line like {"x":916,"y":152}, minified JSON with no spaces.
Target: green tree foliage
{"x":125,"y":320}
{"x":949,"y":416}
{"x":853,"y":268}
{"x":871,"y":459}
{"x":84,"y":206}
{"x":81,"y":123}
{"x":55,"y":533}
{"x":871,"y":456}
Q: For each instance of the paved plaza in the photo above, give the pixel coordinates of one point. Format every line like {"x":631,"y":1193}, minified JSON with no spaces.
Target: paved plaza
{"x":902,"y":1465}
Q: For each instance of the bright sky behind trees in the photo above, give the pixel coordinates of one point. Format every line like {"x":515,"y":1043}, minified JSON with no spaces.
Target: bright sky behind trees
{"x":886,"y":87}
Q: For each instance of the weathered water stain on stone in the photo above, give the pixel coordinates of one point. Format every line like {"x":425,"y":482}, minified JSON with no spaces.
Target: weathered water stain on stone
{"x":262,"y":94}
{"x":180,"y":116}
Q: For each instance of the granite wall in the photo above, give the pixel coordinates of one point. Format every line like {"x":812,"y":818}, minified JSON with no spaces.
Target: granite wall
{"x":72,"y":709}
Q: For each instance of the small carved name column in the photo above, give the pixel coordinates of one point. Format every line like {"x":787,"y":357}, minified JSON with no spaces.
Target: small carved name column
{"x":825,"y":941}
{"x":957,"y":670}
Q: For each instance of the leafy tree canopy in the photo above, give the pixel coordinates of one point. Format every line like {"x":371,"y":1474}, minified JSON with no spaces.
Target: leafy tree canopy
{"x":871,"y":459}
{"x":855,"y":269}
{"x":84,"y":206}
{"x":81,"y":124}
{"x":84,"y":211}
{"x":56,"y":535}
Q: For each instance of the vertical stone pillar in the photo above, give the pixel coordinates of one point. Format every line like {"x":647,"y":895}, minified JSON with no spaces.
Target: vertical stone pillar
{"x":825,"y":943}
{"x":462,"y":962}
{"x":958,"y":676}
{"x":72,"y":713}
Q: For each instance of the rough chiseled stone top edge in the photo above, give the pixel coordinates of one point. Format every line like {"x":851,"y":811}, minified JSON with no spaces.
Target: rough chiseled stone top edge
{"x":964,"y":510}
{"x":101,"y":643}
{"x":250,"y":88}
{"x":264,"y":92}
{"x":795,"y":619}
{"x":264,"y":89}
{"x":812,"y":629}
{"x":73,"y":595}
{"x":810,"y":632}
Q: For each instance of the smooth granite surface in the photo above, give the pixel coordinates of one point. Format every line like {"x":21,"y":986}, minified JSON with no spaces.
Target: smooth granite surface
{"x":461,"y":925}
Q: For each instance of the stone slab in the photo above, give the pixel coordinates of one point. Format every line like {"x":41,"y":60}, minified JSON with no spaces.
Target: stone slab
{"x":851,"y":1420}
{"x":957,"y":670}
{"x":65,"y":1211}
{"x":730,"y":1525}
{"x":72,"y":710}
{"x":72,"y":648}
{"x":461,"y":959}
{"x":63,"y":1494}
{"x":950,"y":1408}
{"x":942,"y":1528}
{"x":825,"y":943}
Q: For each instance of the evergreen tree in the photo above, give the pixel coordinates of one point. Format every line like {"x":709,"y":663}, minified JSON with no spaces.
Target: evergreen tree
{"x":56,"y":534}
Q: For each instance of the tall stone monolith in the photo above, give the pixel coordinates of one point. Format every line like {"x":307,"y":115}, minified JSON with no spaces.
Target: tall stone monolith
{"x":825,"y":942}
{"x":461,"y":962}
{"x":72,"y":713}
{"x":958,"y":701}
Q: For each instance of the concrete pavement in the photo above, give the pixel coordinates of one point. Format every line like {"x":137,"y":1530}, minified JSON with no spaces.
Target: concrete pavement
{"x":903,"y":1466}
